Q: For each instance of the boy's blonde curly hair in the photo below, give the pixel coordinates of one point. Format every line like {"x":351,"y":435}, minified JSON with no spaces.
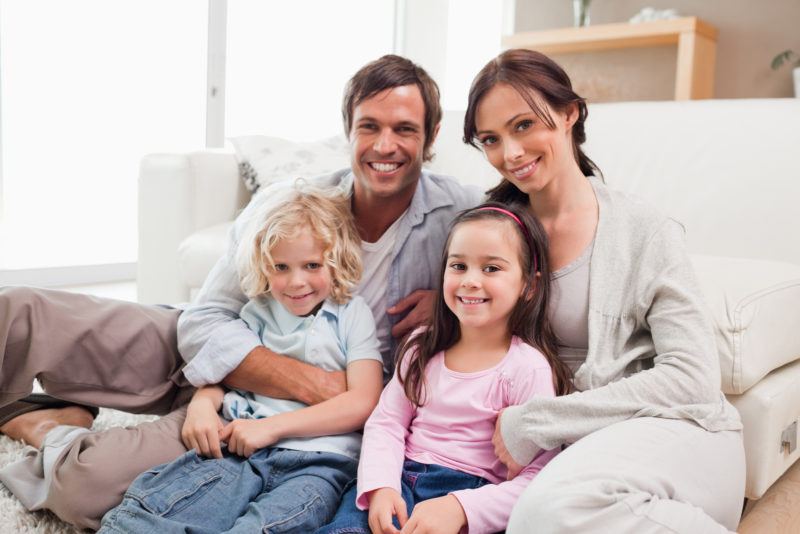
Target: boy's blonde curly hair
{"x":293,"y":209}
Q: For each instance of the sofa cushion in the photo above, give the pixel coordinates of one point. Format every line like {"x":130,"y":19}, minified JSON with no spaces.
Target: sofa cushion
{"x":198,"y":253}
{"x":264,"y":160}
{"x":754,"y":304}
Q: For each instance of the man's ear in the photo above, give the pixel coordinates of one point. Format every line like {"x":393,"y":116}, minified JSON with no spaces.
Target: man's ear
{"x":433,"y":135}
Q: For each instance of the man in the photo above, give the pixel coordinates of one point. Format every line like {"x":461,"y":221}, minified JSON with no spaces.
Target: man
{"x":125,"y":356}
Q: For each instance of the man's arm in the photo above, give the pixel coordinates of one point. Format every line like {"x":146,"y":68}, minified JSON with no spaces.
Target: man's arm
{"x":274,"y":375}
{"x":343,"y":413}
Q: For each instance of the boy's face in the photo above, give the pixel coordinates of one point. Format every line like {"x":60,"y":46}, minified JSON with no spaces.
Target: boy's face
{"x":301,"y":280}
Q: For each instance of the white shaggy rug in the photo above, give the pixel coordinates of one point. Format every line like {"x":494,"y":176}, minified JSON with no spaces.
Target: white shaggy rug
{"x":14,"y":519}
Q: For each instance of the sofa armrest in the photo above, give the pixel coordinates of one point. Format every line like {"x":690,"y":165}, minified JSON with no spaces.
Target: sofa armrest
{"x":180,"y":194}
{"x":755,"y":306}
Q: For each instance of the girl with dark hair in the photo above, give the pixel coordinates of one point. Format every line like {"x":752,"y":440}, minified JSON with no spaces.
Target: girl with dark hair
{"x":653,"y":445}
{"x":427,"y":462}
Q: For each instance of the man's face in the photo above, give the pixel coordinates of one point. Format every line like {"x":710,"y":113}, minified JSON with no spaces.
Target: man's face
{"x":387,"y":142}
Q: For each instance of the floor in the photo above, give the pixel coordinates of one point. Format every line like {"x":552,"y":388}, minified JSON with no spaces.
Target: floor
{"x":778,"y":511}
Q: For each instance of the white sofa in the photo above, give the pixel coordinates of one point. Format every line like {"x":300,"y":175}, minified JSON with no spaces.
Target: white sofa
{"x":727,"y":169}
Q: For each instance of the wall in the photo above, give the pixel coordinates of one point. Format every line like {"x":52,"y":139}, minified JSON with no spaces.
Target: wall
{"x":749,"y":35}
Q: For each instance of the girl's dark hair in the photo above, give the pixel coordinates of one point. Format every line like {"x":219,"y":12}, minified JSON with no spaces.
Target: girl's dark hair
{"x":532,"y":75}
{"x":528,"y":320}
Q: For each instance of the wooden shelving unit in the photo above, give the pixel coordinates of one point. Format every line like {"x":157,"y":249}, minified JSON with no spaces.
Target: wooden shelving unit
{"x":696,"y":41}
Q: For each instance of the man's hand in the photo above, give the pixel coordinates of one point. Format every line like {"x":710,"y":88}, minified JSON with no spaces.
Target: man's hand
{"x":274,"y":375}
{"x":385,"y":503}
{"x":501,"y":452}
{"x":442,"y":515}
{"x":420,"y":302}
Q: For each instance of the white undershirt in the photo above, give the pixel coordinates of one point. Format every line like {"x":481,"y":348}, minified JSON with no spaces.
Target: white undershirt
{"x":377,"y":260}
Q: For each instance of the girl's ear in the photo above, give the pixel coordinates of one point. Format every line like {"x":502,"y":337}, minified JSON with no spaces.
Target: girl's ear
{"x":532,"y":289}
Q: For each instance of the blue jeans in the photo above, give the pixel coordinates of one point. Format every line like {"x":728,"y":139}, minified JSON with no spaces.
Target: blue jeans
{"x":419,"y":482}
{"x":274,"y":490}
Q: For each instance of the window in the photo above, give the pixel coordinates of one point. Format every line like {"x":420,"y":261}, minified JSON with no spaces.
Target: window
{"x":287,"y":62}
{"x":91,"y":87}
{"x":88,"y":87}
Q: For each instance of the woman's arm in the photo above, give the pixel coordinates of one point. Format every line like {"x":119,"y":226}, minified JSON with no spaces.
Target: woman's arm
{"x":343,"y":413}
{"x":488,"y":508}
{"x":684,"y":381}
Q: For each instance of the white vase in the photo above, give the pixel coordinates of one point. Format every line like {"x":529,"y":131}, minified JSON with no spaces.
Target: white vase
{"x":580,"y":11}
{"x":796,"y":78}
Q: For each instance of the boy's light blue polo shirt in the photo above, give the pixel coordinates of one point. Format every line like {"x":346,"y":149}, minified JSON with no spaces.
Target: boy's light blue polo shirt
{"x":332,"y":338}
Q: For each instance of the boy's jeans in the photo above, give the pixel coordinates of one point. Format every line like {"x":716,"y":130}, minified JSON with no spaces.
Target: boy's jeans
{"x":420,"y":482}
{"x":275,"y":490}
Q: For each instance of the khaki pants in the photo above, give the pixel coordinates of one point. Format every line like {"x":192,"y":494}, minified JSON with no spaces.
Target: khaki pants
{"x":98,"y":352}
{"x":643,"y":475}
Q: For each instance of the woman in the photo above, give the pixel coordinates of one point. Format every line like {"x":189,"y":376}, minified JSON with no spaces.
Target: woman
{"x":653,"y":444}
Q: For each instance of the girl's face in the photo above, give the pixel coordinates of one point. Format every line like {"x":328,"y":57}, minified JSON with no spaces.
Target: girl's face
{"x":519,"y":144}
{"x":301,"y":280}
{"x":483,"y":278}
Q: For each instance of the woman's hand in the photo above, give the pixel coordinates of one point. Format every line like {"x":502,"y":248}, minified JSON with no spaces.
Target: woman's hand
{"x":442,"y":515}
{"x":201,"y":428}
{"x":385,"y":503}
{"x":245,"y":436}
{"x":501,"y":452}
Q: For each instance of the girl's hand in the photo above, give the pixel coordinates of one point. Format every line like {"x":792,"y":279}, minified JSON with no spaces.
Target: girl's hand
{"x":442,"y":515}
{"x":501,"y":452}
{"x":245,"y":436}
{"x":385,"y":503}
{"x":201,"y":428}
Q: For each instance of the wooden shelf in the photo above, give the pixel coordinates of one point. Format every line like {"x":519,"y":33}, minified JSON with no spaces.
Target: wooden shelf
{"x":696,"y":41}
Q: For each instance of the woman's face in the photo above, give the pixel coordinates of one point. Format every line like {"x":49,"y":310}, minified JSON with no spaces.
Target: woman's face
{"x":519,"y":144}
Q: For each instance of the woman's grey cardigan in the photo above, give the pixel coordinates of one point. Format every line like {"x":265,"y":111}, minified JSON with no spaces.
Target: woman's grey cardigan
{"x":651,"y":344}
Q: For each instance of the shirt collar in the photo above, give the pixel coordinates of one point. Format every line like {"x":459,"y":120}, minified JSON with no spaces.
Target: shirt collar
{"x":428,"y":195}
{"x":289,"y":322}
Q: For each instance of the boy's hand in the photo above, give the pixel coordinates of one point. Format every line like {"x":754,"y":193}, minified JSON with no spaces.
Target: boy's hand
{"x":201,"y":428}
{"x":442,"y":515}
{"x":385,"y":503}
{"x":245,"y":436}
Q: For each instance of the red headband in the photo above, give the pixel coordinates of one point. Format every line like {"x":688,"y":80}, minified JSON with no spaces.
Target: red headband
{"x":524,"y":231}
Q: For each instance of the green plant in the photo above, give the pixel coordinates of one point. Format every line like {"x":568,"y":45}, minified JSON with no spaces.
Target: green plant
{"x":785,"y":57}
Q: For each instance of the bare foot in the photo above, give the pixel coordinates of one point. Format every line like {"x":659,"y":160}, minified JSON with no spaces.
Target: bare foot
{"x":32,"y":427}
